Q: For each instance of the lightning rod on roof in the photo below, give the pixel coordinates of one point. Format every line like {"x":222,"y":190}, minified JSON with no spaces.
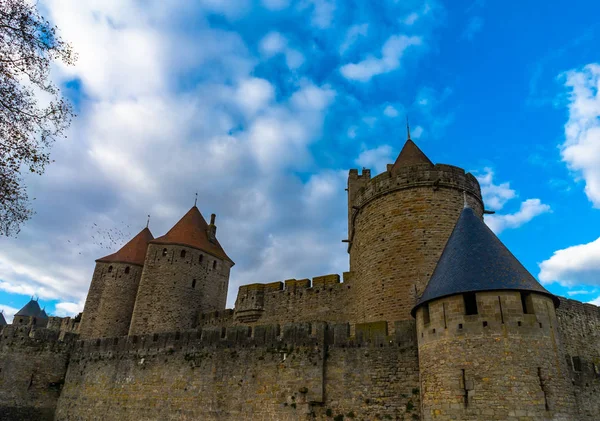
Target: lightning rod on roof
{"x":408,"y":129}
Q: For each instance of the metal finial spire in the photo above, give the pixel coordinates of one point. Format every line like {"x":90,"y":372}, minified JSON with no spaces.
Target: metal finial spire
{"x":148,"y":221}
{"x":196,"y":200}
{"x":466,"y":204}
{"x":408,"y":128}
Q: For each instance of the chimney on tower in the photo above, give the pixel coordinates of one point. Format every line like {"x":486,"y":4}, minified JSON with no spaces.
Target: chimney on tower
{"x":212,"y":229}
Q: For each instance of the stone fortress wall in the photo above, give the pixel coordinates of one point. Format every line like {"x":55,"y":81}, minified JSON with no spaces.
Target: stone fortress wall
{"x":290,"y":372}
{"x":579,"y":327}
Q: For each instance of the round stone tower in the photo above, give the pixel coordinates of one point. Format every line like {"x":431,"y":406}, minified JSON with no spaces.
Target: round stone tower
{"x":487,"y":335}
{"x":398,"y":224}
{"x":186,"y":273}
{"x":120,"y":274}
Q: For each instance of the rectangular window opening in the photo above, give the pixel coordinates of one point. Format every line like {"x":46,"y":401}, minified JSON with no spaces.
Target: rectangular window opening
{"x":527,"y":303}
{"x":470,"y":303}
{"x":576,"y":364}
{"x":426,"y":317}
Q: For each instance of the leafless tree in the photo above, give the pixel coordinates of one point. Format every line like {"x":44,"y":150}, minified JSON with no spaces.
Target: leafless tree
{"x":28,"y":46}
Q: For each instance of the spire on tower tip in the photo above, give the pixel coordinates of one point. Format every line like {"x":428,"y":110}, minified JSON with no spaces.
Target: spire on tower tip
{"x":196,"y":200}
{"x":408,"y":129}
{"x":148,"y":221}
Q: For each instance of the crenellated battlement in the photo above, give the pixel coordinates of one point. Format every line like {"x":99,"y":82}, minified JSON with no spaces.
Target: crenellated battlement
{"x":294,"y":300}
{"x":37,"y":337}
{"x":274,"y":336}
{"x":436,"y":177}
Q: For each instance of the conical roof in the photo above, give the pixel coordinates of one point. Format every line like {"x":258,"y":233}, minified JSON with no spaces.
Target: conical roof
{"x":192,"y":231}
{"x":43,"y":314}
{"x":2,"y":320}
{"x":473,"y":260}
{"x":133,"y":252}
{"x":31,"y":309}
{"x":410,"y":155}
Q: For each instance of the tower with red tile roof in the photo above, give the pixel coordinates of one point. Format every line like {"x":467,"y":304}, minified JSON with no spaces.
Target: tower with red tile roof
{"x":112,"y":294}
{"x":186,"y":273}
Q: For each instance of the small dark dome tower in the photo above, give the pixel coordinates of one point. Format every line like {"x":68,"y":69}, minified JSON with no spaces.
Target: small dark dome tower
{"x":488,"y":335}
{"x":2,"y":319}
{"x":110,"y":301}
{"x":186,"y":273}
{"x":30,"y":315}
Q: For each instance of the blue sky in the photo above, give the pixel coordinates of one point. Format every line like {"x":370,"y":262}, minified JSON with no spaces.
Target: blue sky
{"x":263,"y":106}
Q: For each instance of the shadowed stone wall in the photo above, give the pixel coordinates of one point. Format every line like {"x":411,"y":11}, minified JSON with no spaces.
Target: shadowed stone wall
{"x":579,"y":326}
{"x":33,"y":364}
{"x":178,"y":283}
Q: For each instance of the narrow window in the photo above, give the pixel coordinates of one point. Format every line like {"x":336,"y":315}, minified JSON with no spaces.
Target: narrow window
{"x":182,"y":253}
{"x":426,"y":319}
{"x":200,"y":258}
{"x":215,"y":264}
{"x":576,"y":364}
{"x":470,"y":303}
{"x":194,"y":284}
{"x":127,"y":269}
{"x":110,"y":268}
{"x":526,"y":303}
{"x":164,"y":252}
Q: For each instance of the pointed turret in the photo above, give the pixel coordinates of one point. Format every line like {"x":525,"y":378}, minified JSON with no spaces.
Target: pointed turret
{"x":2,"y":320}
{"x":193,"y":231}
{"x":133,"y":252}
{"x":410,"y":155}
{"x":31,"y":309}
{"x":43,"y":314}
{"x":474,"y":260}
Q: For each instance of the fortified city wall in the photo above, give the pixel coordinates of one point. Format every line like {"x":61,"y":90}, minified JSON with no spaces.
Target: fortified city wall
{"x":268,"y":372}
{"x":33,"y":363}
{"x":579,"y":326}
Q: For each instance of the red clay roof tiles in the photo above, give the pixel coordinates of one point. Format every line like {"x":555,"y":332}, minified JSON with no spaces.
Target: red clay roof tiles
{"x":192,"y":231}
{"x":133,"y":252}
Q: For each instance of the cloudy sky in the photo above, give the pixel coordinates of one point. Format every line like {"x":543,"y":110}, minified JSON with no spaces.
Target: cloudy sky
{"x":262,"y":106}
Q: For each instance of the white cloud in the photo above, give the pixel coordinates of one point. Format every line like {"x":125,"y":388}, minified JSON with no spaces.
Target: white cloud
{"x":575,"y":265}
{"x":390,"y":111}
{"x":389,"y":59}
{"x":352,"y":34}
{"x":495,"y":196}
{"x":8,"y":312}
{"x":529,"y":209}
{"x":595,"y":302}
{"x":411,"y":18}
{"x":322,"y":14}
{"x":275,"y":43}
{"x":417,"y":132}
{"x":376,"y":159}
{"x":65,"y":309}
{"x":254,"y":95}
{"x":579,"y":292}
{"x":581,"y":149}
